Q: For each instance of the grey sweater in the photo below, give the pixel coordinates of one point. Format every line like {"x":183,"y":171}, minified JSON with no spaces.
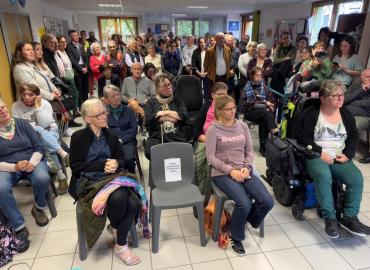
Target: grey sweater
{"x":229,"y":147}
{"x":142,"y":90}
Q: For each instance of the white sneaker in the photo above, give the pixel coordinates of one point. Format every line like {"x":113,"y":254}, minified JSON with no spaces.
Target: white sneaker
{"x":68,"y":132}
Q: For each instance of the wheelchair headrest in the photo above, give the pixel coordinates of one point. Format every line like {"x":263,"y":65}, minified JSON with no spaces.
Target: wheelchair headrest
{"x":309,"y":86}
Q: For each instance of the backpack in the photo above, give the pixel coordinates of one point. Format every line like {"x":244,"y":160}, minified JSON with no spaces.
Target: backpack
{"x":223,"y":239}
{"x":280,"y":157}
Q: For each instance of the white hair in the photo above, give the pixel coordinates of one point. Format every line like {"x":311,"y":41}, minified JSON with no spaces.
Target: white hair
{"x":261,"y":46}
{"x":93,"y":46}
{"x":110,"y":88}
{"x":251,"y":44}
{"x":88,"y":104}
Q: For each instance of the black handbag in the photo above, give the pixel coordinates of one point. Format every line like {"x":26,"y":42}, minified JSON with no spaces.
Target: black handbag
{"x":68,"y":102}
{"x":60,"y":85}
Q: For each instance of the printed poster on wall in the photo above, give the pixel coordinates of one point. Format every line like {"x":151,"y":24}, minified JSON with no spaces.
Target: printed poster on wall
{"x":233,"y":26}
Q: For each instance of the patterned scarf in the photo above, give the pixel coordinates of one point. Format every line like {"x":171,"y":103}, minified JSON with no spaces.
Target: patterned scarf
{"x":7,"y":130}
{"x":167,"y":126}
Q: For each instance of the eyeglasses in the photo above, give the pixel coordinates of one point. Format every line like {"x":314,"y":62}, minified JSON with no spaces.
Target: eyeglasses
{"x":337,"y":96}
{"x":99,"y":116}
{"x":230,"y":109}
{"x":166,"y":85}
{"x":220,"y":93}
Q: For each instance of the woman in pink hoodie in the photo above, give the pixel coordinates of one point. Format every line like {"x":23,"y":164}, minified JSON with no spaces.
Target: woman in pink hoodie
{"x":229,"y":151}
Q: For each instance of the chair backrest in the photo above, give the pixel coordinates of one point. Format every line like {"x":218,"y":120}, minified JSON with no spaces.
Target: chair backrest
{"x":171,"y":163}
{"x":189,"y":88}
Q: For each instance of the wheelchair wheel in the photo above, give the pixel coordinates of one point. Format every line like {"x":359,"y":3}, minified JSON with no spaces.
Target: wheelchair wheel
{"x":283,"y":194}
{"x":269,"y":175}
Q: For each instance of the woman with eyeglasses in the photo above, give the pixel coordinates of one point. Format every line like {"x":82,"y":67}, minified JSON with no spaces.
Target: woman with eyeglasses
{"x":94,"y":154}
{"x":165,"y":115}
{"x":331,"y":131}
{"x":229,"y":150}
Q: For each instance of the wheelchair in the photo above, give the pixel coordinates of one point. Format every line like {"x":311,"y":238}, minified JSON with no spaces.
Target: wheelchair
{"x":285,"y":158}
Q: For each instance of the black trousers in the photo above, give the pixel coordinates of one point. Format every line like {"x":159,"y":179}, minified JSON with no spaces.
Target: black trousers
{"x":279,"y":73}
{"x":82,"y":85}
{"x":265,"y":120}
{"x":121,"y":211}
{"x":211,"y":83}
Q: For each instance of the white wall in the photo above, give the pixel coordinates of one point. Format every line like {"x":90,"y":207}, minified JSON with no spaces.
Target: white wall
{"x":57,"y":12}
{"x":88,"y":23}
{"x":234,"y":17}
{"x":34,"y":11}
{"x":268,"y":17}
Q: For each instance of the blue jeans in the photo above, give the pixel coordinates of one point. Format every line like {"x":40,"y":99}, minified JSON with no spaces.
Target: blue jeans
{"x":245,"y":209}
{"x":50,"y":138}
{"x":40,"y":181}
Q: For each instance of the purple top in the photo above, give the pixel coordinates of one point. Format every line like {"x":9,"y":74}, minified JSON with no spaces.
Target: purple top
{"x":229,"y":147}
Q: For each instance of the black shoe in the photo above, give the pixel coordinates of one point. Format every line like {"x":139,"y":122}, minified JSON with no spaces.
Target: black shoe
{"x":354,"y":225}
{"x":237,"y":246}
{"x":332,"y":228}
{"x":297,"y":211}
{"x":24,"y":243}
{"x":72,"y":123}
{"x":365,"y":159}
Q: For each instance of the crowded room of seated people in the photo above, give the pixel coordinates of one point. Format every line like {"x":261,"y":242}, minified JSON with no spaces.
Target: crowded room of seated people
{"x":183,"y":135}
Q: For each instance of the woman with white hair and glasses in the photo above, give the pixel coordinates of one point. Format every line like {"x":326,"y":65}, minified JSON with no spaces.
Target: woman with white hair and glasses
{"x":95,"y":155}
{"x":261,"y":60}
{"x":331,"y":131}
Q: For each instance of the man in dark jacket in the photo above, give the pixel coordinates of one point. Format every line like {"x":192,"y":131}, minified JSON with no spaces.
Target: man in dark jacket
{"x":77,"y":55}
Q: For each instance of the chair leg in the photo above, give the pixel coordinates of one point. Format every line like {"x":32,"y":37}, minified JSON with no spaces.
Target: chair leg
{"x":262,"y":229}
{"x":219,"y":207}
{"x":82,"y":246}
{"x":155,"y":228}
{"x":53,"y":187}
{"x":133,"y":233}
{"x":51,"y":203}
{"x":150,"y":207}
{"x":138,"y":164}
{"x":202,"y":233}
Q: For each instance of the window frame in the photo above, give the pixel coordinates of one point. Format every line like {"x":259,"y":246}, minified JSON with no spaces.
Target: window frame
{"x":117,"y":24}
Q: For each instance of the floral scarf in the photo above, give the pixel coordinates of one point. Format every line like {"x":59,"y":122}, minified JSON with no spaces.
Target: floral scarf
{"x":7,"y":131}
{"x":166,"y":126}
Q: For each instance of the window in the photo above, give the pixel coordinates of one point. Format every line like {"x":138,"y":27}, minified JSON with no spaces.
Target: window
{"x":348,"y":8}
{"x":321,"y":17}
{"x":326,"y":14}
{"x":125,"y":26}
{"x":195,"y":27}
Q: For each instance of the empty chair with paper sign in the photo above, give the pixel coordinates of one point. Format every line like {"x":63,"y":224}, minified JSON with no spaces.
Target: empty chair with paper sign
{"x":172,"y":171}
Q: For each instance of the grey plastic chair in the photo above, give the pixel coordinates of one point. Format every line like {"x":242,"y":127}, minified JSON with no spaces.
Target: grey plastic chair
{"x":82,"y":245}
{"x":178,"y":194}
{"x":220,"y":198}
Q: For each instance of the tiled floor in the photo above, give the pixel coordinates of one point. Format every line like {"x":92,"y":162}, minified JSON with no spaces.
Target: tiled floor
{"x":287,"y":244}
